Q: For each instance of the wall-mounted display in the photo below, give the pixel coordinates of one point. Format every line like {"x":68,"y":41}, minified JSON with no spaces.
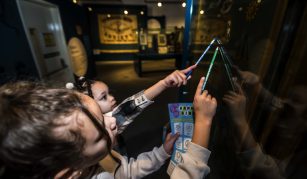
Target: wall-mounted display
{"x":78,"y":56}
{"x":117,"y":29}
{"x":156,"y":24}
{"x":161,"y":40}
{"x":49,"y":39}
{"x":143,"y":39}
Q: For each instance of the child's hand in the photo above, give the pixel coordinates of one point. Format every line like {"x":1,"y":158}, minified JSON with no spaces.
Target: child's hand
{"x":204,"y":104}
{"x":247,"y":77}
{"x":236,"y":103}
{"x":169,"y":142}
{"x":177,"y":78}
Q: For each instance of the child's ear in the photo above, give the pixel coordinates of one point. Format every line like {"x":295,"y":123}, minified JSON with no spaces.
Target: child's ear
{"x":67,"y":174}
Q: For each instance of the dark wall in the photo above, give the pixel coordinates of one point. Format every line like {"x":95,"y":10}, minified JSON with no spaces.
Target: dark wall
{"x":249,"y":37}
{"x":16,"y":60}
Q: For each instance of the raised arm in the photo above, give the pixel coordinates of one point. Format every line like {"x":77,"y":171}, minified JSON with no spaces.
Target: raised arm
{"x":175,"y":79}
{"x":204,"y":108}
{"x":195,"y":160}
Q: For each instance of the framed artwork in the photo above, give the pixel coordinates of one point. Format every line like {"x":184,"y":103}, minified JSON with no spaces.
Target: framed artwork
{"x":117,"y":29}
{"x":161,"y":40}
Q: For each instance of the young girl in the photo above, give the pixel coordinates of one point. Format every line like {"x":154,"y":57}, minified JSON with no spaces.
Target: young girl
{"x":131,"y":107}
{"x":58,"y":133}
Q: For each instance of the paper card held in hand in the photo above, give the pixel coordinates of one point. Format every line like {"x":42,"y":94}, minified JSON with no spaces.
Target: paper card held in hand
{"x":182,"y":122}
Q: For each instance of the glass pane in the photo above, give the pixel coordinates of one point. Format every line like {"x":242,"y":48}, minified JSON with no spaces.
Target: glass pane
{"x":259,"y":132}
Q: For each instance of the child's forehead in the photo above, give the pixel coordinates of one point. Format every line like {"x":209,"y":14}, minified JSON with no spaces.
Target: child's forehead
{"x":100,"y":85}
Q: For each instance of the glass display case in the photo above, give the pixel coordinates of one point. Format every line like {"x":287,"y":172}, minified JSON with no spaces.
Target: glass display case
{"x":259,"y":130}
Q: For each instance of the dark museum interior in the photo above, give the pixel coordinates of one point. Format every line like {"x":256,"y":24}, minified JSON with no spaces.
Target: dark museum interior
{"x":250,"y":51}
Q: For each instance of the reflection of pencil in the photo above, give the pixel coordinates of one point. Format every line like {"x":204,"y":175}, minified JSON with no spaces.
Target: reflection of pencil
{"x":201,"y":57}
{"x":210,"y":68}
{"x":224,"y":52}
{"x":228,"y":72}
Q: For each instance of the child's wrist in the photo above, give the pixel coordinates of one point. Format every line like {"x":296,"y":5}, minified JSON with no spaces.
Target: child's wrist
{"x":163,"y":84}
{"x":205,"y":122}
{"x":203,"y":117}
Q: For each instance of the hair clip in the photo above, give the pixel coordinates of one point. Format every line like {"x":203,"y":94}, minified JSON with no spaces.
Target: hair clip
{"x":70,"y":86}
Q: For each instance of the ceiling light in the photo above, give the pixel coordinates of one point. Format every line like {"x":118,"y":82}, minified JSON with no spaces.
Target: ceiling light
{"x":142,"y":12}
{"x":75,"y":1}
{"x":89,"y":9}
{"x":159,"y":4}
{"x":201,"y":11}
{"x":125,"y":12}
{"x":183,"y":4}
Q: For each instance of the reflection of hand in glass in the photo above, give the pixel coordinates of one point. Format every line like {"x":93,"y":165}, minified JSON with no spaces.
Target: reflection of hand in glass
{"x":236,"y":103}
{"x":252,"y":159}
{"x":247,"y":77}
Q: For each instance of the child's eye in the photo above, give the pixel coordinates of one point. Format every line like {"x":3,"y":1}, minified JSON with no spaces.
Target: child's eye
{"x":103,"y":98}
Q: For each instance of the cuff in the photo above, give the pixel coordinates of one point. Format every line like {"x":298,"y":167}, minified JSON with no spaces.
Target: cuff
{"x":141,"y":99}
{"x":198,"y":153}
{"x":163,"y":153}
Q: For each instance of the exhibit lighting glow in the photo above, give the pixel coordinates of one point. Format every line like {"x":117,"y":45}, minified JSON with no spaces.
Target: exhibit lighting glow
{"x":125,"y":12}
{"x":159,"y":4}
{"x":90,"y":9}
{"x":142,"y":12}
{"x":75,"y":1}
{"x":183,"y":4}
{"x":201,"y":11}
{"x":109,"y":15}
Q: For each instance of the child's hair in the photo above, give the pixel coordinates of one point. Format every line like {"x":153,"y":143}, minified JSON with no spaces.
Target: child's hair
{"x":82,"y":85}
{"x":29,"y":113}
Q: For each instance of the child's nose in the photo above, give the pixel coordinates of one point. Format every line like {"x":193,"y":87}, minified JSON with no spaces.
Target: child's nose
{"x":112,"y":98}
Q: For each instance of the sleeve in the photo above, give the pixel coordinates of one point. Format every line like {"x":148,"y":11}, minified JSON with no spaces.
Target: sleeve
{"x":129,"y":109}
{"x":144,"y":164}
{"x":270,"y":101}
{"x":256,"y":164}
{"x":194,"y":164}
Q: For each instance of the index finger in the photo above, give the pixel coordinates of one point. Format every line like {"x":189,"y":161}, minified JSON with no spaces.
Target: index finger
{"x":238,"y":88}
{"x":200,"y":85}
{"x":188,"y":69}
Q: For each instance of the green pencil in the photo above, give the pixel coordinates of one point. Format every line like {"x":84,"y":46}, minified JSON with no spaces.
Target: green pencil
{"x":209,"y":70}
